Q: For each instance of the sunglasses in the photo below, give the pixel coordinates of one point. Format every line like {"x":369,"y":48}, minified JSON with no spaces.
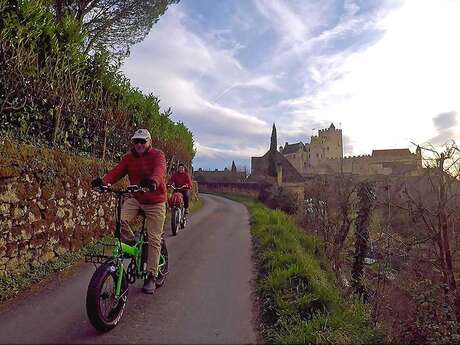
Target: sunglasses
{"x":139,"y":141}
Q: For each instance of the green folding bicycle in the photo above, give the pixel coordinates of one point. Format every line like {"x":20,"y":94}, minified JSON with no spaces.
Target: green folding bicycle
{"x":108,"y":288}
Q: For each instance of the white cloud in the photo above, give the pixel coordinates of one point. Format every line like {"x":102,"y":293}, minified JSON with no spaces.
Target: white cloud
{"x":386,"y":96}
{"x":239,"y":152}
{"x":191,"y":73}
{"x":306,"y":26}
{"x":324,"y":66}
{"x":265,"y":82}
{"x":290,"y":25}
{"x":445,"y":124}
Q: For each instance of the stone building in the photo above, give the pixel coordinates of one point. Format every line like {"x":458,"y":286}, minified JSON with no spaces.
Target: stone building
{"x":296,"y":154}
{"x":226,"y":175}
{"x":274,"y":166}
{"x":276,"y":170}
{"x":324,"y":155}
{"x":285,"y":172}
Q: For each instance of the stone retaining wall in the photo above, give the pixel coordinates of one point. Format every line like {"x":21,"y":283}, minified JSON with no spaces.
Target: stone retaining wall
{"x":46,"y":205}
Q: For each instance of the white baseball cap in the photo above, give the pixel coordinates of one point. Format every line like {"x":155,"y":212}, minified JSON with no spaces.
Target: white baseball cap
{"x":141,"y":134}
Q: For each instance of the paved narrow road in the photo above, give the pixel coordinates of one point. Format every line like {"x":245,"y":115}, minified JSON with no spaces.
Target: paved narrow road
{"x":207,"y":298}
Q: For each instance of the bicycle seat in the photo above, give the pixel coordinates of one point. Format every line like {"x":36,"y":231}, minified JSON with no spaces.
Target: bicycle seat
{"x":141,"y":213}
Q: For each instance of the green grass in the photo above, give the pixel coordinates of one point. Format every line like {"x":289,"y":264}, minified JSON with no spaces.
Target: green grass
{"x":299,"y":300}
{"x":196,"y":205}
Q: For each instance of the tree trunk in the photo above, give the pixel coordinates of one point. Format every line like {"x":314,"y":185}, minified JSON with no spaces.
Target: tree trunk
{"x":339,"y":243}
{"x":366,"y":197}
{"x":446,"y":254}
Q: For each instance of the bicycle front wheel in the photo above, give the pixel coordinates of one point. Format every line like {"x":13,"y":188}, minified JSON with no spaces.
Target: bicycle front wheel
{"x":163,"y":268}
{"x":103,"y":309}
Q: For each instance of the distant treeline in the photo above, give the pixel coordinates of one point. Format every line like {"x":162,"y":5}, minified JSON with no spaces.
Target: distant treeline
{"x":60,"y":78}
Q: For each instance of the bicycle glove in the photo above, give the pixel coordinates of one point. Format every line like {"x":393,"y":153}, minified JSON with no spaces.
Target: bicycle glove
{"x":148,"y":183}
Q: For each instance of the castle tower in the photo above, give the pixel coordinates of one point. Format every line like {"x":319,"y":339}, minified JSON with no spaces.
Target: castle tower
{"x":332,"y":142}
{"x":326,"y":145}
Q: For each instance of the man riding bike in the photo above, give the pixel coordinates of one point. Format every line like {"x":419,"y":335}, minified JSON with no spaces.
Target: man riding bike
{"x":146,"y":167}
{"x":181,"y":178}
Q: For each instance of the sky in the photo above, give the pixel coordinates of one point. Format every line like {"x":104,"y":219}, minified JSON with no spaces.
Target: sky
{"x":386,"y":72}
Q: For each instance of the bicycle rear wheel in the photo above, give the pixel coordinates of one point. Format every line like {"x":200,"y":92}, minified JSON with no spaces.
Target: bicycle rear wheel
{"x":175,"y":220}
{"x":104,"y":312}
{"x":183,"y":219}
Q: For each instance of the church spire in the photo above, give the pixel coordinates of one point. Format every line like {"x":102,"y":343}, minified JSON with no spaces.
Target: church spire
{"x":272,"y":153}
{"x":274,"y":140}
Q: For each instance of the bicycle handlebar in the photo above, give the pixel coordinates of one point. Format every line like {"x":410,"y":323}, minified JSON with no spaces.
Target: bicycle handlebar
{"x":130,"y":189}
{"x":183,"y":187}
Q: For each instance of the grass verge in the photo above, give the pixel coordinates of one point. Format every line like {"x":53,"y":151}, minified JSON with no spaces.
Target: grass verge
{"x":196,"y":205}
{"x":299,"y":300}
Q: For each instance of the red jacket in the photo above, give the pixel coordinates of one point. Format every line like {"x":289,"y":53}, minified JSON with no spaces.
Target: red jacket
{"x":151,"y":164}
{"x":180,"y":179}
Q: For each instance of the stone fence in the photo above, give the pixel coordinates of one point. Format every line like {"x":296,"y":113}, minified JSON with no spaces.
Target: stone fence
{"x":251,"y":189}
{"x":241,"y":188}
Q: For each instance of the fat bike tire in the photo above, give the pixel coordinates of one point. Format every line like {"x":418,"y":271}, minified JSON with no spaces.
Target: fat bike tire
{"x":183,"y":221}
{"x":175,"y":221}
{"x":102,"y":311}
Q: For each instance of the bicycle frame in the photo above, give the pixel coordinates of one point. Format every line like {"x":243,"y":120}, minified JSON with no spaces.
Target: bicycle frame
{"x":176,"y":199}
{"x":122,"y":250}
{"x":132,"y":251}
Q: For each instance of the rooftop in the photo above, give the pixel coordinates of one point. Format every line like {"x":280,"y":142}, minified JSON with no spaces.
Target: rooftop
{"x":391,"y":153}
{"x":293,"y":148}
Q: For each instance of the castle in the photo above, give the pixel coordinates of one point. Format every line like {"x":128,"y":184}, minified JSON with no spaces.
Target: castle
{"x":324,"y":155}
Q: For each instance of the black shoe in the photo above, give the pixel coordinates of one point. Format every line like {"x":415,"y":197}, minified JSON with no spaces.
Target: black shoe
{"x":149,"y":284}
{"x":130,"y":242}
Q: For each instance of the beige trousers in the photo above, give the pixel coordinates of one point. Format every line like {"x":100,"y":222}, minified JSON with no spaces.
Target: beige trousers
{"x":155,"y":218}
